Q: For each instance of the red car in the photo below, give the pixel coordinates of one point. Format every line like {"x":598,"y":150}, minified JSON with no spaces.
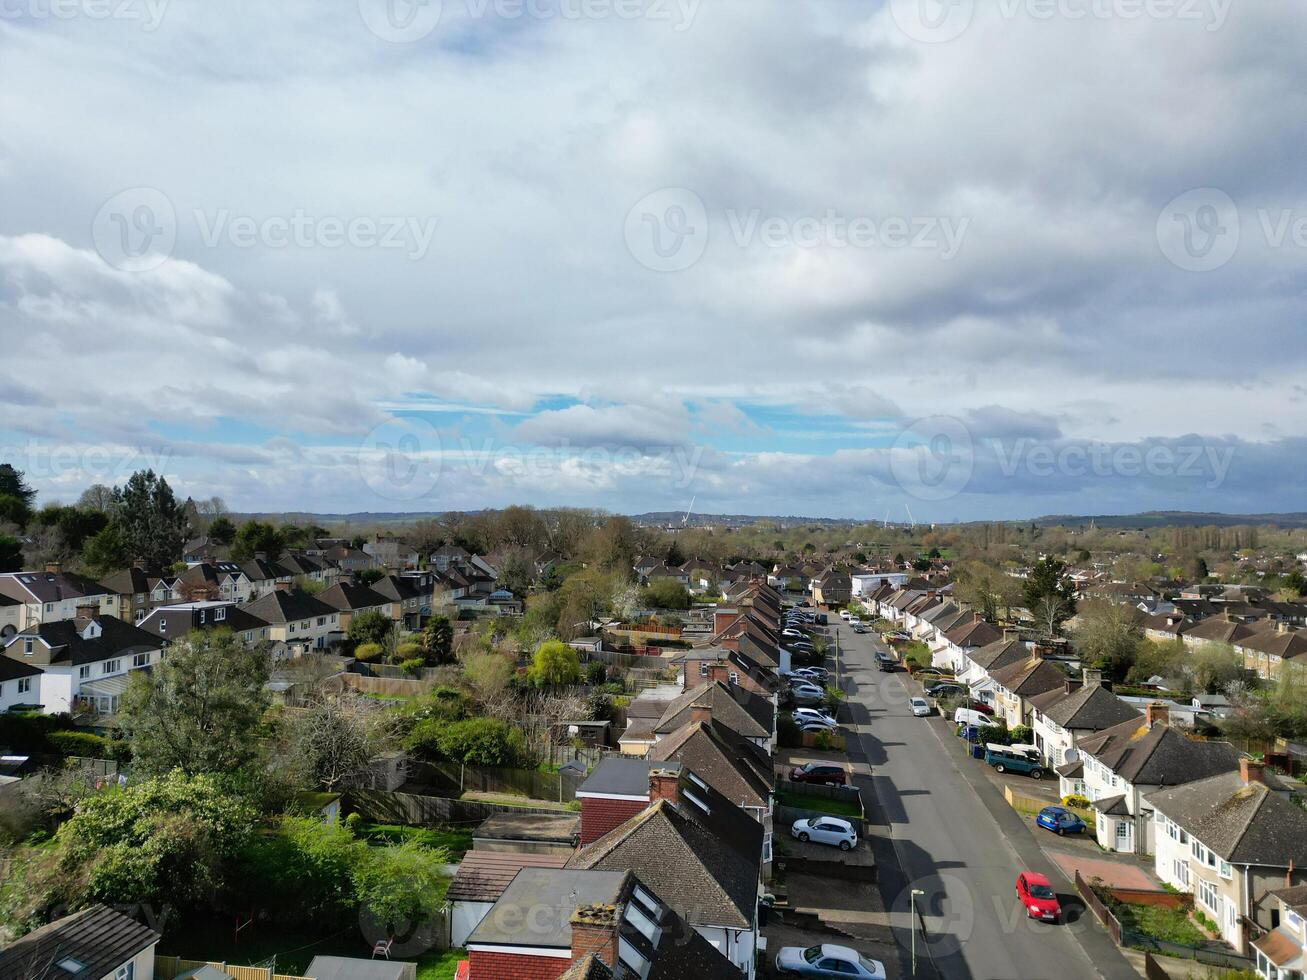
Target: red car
{"x":819,"y":772}
{"x":981,"y":706}
{"x":1037,"y":897}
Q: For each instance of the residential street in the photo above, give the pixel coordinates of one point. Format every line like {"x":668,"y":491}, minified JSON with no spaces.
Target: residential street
{"x":936,"y":817}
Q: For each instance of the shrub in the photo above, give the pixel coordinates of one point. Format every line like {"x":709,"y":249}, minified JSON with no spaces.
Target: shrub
{"x":1022,"y":735}
{"x":1076,"y":801}
{"x":997,"y":734}
{"x":481,"y":742}
{"x":596,"y":673}
{"x":368,"y":652}
{"x":413,"y":665}
{"x":410,"y":650}
{"x":823,"y":742}
{"x":554,"y":663}
{"x":85,"y":744}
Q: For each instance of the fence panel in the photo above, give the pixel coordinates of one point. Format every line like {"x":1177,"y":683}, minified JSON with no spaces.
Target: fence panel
{"x":557,"y":787}
{"x":383,"y":806}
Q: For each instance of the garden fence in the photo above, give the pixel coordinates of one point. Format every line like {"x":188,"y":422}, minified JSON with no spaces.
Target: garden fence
{"x":168,"y":967}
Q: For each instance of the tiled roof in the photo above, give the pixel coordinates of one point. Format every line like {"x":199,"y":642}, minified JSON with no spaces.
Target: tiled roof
{"x":1090,"y":708}
{"x":1245,"y":823}
{"x":1158,"y":756}
{"x":1030,"y":677}
{"x":483,"y":875}
{"x":749,"y":714}
{"x":734,"y":766}
{"x":98,"y":937}
{"x":279,"y":607}
{"x":116,"y":638}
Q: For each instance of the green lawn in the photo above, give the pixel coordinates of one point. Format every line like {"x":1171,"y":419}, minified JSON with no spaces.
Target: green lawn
{"x":440,"y":966}
{"x":1171,"y":925}
{"x":836,"y":808}
{"x":456,"y":840}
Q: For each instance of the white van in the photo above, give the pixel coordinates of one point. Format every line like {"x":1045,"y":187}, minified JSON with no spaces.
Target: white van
{"x":845,"y":614}
{"x":965,"y":716}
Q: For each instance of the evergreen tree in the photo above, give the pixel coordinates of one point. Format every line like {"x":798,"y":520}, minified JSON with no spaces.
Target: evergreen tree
{"x":152,"y":523}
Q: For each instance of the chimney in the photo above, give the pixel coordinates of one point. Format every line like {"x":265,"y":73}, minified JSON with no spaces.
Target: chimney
{"x":87,"y":610}
{"x":1282,"y":627}
{"x":260,"y":556}
{"x":1092,"y":677}
{"x":594,"y":930}
{"x":664,"y":784}
{"x":1157,"y":711}
{"x":283,"y":586}
{"x":1252,"y":771}
{"x":1011,"y":633}
{"x":1073,"y":685}
{"x":138,"y":563}
{"x":700,"y":714}
{"x":53,"y":567}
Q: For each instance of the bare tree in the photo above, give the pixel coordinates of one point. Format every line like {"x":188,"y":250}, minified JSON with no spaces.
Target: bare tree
{"x":335,"y":738}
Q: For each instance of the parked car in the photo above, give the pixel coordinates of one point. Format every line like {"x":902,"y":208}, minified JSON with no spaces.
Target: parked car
{"x":806,"y":695}
{"x":845,"y":614}
{"x":793,"y":634}
{"x":886,"y":661}
{"x":827,"y":960}
{"x":944,"y":689}
{"x":1008,"y":758}
{"x":818,"y":674}
{"x":826,"y":773}
{"x":920,"y":707}
{"x":804,"y":715}
{"x":896,"y":636}
{"x":815,"y":728}
{"x":1036,"y":895}
{"x":855,"y":620}
{"x":977,"y":705}
{"x":827,"y":830}
{"x":859,"y":628}
{"x":973,"y":719}
{"x":1060,"y":821}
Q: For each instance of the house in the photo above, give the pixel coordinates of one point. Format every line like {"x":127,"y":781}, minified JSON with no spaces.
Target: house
{"x":831,"y":589}
{"x":992,"y":656}
{"x":1281,"y":954}
{"x":1127,"y":763}
{"x":1267,"y":650}
{"x":53,"y":595}
{"x":83,"y":662}
{"x":863,"y":584}
{"x":210,"y":581}
{"x":697,"y":850}
{"x":297,"y":619}
{"x":727,"y":666}
{"x":1231,"y":839}
{"x":1017,"y":684}
{"x":956,"y":643}
{"x":139,"y":590}
{"x":405,"y":599}
{"x":348,"y":559}
{"x":616,"y":790}
{"x":349,"y":600}
{"x":587,"y":925}
{"x":480,"y":881}
{"x":20,"y":684}
{"x":1080,"y":708}
{"x":170,"y":622}
{"x":447,"y":555}
{"x":10,"y":616}
{"x":748,"y":715}
{"x":96,"y":943}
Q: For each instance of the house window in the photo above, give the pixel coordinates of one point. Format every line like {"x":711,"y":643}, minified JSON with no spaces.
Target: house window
{"x":1207,"y":896}
{"x":28,"y":646}
{"x":163,"y":625}
{"x":766,"y":848}
{"x":292,"y":627}
{"x":1226,"y":871}
{"x":83,"y":672}
{"x":1180,"y":870}
{"x":24,"y":685}
{"x":703,"y":670}
{"x":246,"y":637}
{"x":734,"y":677}
{"x":140,"y":660}
{"x":220,"y":614}
{"x":322,"y":620}
{"x":111,"y":667}
{"x":125,"y":972}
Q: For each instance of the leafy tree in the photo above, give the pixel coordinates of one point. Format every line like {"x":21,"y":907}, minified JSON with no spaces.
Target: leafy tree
{"x":921,"y":564}
{"x":199,"y":710}
{"x":255,"y":537}
{"x":488,"y":674}
{"x":367,"y":576}
{"x":515,"y":574}
{"x":1212,"y":667}
{"x":105,"y":552}
{"x":11,"y":554}
{"x":666,"y":593}
{"x":152,"y":523}
{"x":1107,"y":635}
{"x":471,"y":741}
{"x":554,"y":664}
{"x":674,"y":557}
{"x":1200,"y":569}
{"x":222,"y":530}
{"x":16,"y":497}
{"x":1049,"y":594}
{"x":303,"y":872}
{"x":14,"y":511}
{"x":372,"y":626}
{"x":1083,"y":555}
{"x":437,"y":644}
{"x":1295,"y":583}
{"x":402,"y":886}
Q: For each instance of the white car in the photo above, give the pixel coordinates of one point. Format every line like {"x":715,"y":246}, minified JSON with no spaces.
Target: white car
{"x":793,"y":634}
{"x":805,"y":716}
{"x":827,"y":961}
{"x":845,"y":614}
{"x":827,"y":830}
{"x":920,"y":707}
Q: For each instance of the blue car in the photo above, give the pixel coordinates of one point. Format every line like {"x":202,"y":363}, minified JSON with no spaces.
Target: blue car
{"x":1060,"y":820}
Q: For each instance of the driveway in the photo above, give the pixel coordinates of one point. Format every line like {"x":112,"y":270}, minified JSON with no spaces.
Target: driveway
{"x":948,"y":845}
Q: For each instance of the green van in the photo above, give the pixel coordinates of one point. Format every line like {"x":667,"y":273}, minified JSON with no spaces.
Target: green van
{"x":1010,"y":758}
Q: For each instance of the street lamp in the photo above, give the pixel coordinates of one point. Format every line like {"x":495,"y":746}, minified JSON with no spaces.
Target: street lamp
{"x":913,"y":926}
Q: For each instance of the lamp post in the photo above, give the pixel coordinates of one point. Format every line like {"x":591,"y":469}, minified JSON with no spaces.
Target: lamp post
{"x":913,"y":925}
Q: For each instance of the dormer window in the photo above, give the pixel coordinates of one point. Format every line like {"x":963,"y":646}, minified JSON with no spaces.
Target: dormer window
{"x":28,"y":646}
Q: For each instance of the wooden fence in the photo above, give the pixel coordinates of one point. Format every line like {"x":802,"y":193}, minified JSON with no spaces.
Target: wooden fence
{"x":387,"y":687}
{"x":1153,"y":969}
{"x":416,"y":810}
{"x":556,"y":787}
{"x":168,"y":967}
{"x":1096,"y":905}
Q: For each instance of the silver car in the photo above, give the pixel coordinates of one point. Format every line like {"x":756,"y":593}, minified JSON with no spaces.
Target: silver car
{"x":826,"y":830}
{"x":827,"y":960}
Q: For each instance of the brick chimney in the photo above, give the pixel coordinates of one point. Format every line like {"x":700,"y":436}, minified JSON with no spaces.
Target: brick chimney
{"x":88,"y":610}
{"x":1092,"y":677}
{"x":664,"y":784}
{"x":284,"y":586}
{"x":594,"y":930}
{"x":1252,"y":771}
{"x":138,"y":563}
{"x":700,"y":714}
{"x":1157,"y":711}
{"x":53,"y":567}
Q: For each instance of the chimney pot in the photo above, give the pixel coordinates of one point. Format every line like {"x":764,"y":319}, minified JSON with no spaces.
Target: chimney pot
{"x":1252,"y":771}
{"x":664,"y":784}
{"x":1157,"y":711}
{"x":87,"y":610}
{"x":138,"y":563}
{"x":53,"y":567}
{"x":1092,"y":677}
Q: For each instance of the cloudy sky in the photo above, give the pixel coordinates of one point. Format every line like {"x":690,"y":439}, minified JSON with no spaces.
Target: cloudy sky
{"x":999,"y":259}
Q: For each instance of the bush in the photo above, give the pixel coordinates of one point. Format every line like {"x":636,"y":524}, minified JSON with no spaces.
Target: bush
{"x":823,"y":742}
{"x":481,"y":742}
{"x":596,"y":673}
{"x":368,"y":652}
{"x":997,"y":734}
{"x":1022,"y":735}
{"x":86,"y":744}
{"x":554,"y":664}
{"x":1076,"y":801}
{"x":413,"y":665}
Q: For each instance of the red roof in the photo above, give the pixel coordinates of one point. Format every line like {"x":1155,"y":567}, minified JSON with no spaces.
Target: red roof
{"x":483,"y":875}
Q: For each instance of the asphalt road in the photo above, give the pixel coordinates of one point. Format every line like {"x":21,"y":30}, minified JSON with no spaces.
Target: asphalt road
{"x":953,"y":838}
